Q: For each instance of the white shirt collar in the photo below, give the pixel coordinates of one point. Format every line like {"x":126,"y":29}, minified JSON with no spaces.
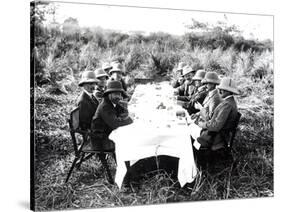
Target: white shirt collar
{"x":213,"y":91}
{"x":89,"y":94}
{"x":228,"y":97}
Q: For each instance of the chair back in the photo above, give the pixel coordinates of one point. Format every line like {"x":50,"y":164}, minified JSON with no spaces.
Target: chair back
{"x":74,"y":128}
{"x":233,"y":132}
{"x":74,"y":119}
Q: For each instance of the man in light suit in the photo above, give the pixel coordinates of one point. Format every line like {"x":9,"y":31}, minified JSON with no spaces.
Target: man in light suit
{"x":212,"y":99}
{"x":179,"y":80}
{"x":186,"y":89}
{"x":198,"y":93}
{"x":214,"y":133}
{"x":216,"y":130}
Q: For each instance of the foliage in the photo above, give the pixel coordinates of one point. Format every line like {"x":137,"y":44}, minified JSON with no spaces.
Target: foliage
{"x":135,"y":58}
{"x":250,"y":176}
{"x":59,"y":58}
{"x":221,"y":36}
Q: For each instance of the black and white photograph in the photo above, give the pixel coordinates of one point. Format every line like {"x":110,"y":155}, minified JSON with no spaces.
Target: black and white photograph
{"x":141,"y":105}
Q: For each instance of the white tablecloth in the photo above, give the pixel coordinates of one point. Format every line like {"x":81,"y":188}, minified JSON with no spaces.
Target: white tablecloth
{"x":156,"y":131}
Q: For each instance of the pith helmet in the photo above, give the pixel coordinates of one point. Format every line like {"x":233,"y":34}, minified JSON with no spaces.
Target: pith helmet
{"x":200,"y":74}
{"x":116,"y":67}
{"x":100,"y":73}
{"x":187,"y":70}
{"x":88,"y":77}
{"x":114,"y":86}
{"x":180,"y":66}
{"x":106,"y":66}
{"x":211,"y":77}
{"x":228,"y":84}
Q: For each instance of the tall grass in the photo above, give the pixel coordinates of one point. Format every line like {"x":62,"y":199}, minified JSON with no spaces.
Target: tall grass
{"x":250,"y":176}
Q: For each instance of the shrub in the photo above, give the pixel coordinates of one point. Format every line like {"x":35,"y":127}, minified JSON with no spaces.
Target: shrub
{"x":115,"y":38}
{"x":210,"y":40}
{"x":90,"y":56}
{"x":244,"y":45}
{"x":263,"y":66}
{"x":135,"y":58}
{"x":162,"y":63}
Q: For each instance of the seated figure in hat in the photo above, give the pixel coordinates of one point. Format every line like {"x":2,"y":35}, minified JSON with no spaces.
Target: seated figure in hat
{"x":102,"y":80}
{"x":215,"y":131}
{"x":106,"y":67}
{"x":116,"y":74}
{"x":212,"y":100}
{"x":109,"y":116}
{"x":186,"y":88}
{"x":197,"y":95}
{"x":87,"y":102}
{"x":179,"y":80}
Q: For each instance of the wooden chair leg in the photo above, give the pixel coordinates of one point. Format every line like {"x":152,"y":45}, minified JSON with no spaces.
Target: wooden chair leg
{"x":71,"y":168}
{"x":85,"y":159}
{"x":105,"y":165}
{"x":81,"y":160}
{"x":127,"y":164}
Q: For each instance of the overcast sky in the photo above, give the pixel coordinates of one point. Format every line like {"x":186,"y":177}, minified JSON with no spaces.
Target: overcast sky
{"x":153,"y":20}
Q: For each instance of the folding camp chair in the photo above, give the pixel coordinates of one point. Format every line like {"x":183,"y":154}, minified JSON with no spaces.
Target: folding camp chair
{"x":83,"y":155}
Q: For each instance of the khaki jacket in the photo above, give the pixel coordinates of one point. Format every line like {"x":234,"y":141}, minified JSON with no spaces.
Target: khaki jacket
{"x":210,"y":103}
{"x":198,"y":94}
{"x":186,"y":89}
{"x":221,"y":122}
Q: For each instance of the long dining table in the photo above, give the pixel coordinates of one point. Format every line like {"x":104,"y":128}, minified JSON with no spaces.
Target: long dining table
{"x":159,"y":128}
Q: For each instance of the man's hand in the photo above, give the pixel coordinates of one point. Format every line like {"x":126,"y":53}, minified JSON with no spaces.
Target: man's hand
{"x":201,"y":124}
{"x":123,"y":104}
{"x":181,"y":80}
{"x":198,"y":106}
{"x":123,"y":115}
{"x":176,"y":92}
{"x":196,"y":144}
{"x":194,"y":116}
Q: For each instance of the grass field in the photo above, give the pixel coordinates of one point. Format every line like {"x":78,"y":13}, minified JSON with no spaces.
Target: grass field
{"x":60,"y":57}
{"x":252,"y":176}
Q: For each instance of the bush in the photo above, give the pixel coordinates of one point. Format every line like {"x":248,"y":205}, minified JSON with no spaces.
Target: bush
{"x":135,"y":58}
{"x":244,"y":45}
{"x":162,"y":63}
{"x":210,"y":40}
{"x":114,"y":38}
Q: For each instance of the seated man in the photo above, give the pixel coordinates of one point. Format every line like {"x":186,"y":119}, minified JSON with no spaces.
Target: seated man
{"x":102,"y":79}
{"x":87,"y":102}
{"x":212,"y":99}
{"x":116,"y":74}
{"x":106,"y":67}
{"x":179,"y":80}
{"x":186,"y":88}
{"x":197,"y":95}
{"x":215,"y":131}
{"x":109,"y":116}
